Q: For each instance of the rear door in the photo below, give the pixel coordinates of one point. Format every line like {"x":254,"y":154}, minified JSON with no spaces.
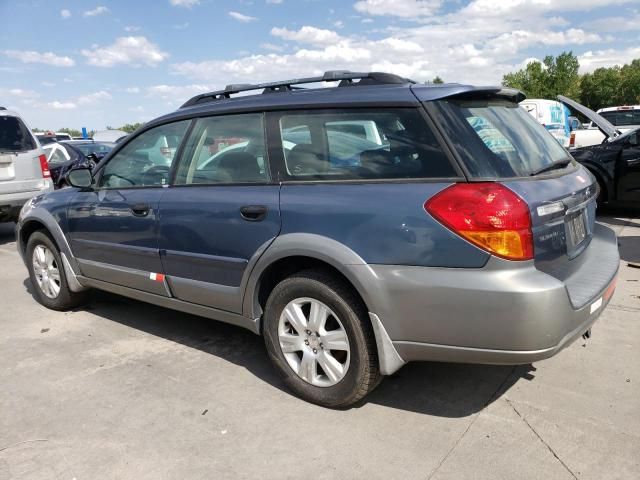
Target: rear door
{"x":113,"y":228}
{"x":20,"y":169}
{"x":220,"y":213}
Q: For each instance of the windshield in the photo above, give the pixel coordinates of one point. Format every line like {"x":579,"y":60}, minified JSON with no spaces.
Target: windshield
{"x":14,"y":135}
{"x":496,"y":138}
{"x":621,"y":118}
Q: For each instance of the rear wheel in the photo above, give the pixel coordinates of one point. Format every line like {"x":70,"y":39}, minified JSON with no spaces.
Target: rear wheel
{"x":319,"y":338}
{"x":47,"y":274}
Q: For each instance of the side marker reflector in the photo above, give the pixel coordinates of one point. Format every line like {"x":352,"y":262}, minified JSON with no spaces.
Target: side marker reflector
{"x":156,"y":277}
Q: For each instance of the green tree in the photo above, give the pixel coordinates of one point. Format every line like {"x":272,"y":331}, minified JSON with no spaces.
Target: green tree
{"x":437,"y":79}
{"x":602,"y":88}
{"x":532,"y":80}
{"x":553,"y":76}
{"x":71,"y":131}
{"x":130,"y":127}
{"x":630,"y":83}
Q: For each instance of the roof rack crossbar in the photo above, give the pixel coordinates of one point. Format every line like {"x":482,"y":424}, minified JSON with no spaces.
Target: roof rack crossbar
{"x":345,"y":77}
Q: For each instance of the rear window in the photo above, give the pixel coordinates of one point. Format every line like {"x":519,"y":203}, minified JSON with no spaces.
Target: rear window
{"x":496,"y":138}
{"x":355,"y":145}
{"x":620,"y":118}
{"x":14,"y":135}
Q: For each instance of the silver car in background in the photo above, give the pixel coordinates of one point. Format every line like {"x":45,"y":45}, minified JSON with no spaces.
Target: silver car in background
{"x":24,"y":171}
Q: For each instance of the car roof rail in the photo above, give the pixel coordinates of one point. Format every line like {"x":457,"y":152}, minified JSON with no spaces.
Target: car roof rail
{"x":345,"y":77}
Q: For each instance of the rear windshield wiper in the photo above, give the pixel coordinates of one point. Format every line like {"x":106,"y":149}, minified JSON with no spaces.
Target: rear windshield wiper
{"x":552,"y":166}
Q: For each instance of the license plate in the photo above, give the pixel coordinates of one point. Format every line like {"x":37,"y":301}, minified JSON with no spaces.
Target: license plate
{"x":577,"y":227}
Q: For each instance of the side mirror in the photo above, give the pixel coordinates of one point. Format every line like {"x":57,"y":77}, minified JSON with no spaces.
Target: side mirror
{"x":80,"y":178}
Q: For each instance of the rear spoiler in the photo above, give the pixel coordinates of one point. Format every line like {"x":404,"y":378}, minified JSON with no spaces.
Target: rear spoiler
{"x":456,"y":90}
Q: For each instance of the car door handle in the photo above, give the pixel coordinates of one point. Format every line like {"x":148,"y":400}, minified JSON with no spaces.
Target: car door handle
{"x":140,"y":209}
{"x":253,"y":213}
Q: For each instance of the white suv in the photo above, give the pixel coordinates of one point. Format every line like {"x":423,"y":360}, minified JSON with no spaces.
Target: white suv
{"x":24,"y":171}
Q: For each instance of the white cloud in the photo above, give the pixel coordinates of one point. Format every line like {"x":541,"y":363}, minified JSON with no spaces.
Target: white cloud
{"x":138,"y":108}
{"x":526,"y":8}
{"x":272,"y":46}
{"x":48,"y":58}
{"x":64,"y":13}
{"x":399,"y":8}
{"x":95,"y":97}
{"x":132,"y":90}
{"x":181,"y":92}
{"x":307,"y":34}
{"x":591,"y":60}
{"x":274,"y":2}
{"x":241,"y":17}
{"x":614,"y":24}
{"x":47,"y":84}
{"x":181,"y":26}
{"x":131,"y":28}
{"x":100,"y":10}
{"x":133,"y":51}
{"x":18,"y":93}
{"x":56,"y":105}
{"x":184,"y":3}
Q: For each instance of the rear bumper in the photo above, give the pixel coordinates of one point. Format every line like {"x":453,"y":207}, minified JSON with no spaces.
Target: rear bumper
{"x":504,"y":313}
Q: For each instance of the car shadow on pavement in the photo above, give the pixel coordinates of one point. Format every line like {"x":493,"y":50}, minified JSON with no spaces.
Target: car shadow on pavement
{"x":7,"y":233}
{"x":439,"y":389}
{"x":630,"y":250}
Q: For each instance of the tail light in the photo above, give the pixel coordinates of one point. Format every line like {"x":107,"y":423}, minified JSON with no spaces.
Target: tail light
{"x":44,"y":166}
{"x":488,"y":215}
{"x":572,"y":140}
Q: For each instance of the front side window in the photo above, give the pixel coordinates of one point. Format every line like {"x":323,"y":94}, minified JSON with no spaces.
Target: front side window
{"x":496,"y":138}
{"x":146,"y":160}
{"x":225,"y":149}
{"x":355,"y":145}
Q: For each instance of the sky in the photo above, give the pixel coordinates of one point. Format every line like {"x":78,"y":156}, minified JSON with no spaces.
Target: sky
{"x":79,"y":63}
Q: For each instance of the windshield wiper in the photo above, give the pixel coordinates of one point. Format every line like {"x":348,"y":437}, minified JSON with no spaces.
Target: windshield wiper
{"x":552,"y":166}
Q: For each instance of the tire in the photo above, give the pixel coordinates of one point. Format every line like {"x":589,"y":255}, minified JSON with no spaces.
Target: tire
{"x":47,"y":262}
{"x":352,"y":365}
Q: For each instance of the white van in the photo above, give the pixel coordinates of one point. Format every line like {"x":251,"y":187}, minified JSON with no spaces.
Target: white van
{"x":553,"y":115}
{"x":24,"y":171}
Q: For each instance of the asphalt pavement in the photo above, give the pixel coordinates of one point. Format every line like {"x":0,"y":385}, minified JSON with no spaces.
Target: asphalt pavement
{"x":123,"y":390}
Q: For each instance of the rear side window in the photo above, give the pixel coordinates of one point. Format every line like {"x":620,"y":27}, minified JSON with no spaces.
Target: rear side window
{"x":360,"y":145}
{"x":496,"y":138}
{"x":14,"y":135}
{"x":223,"y":150}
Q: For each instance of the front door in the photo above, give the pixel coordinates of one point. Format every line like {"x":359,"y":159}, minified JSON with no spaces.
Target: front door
{"x":113,"y":228}
{"x":629,"y":170}
{"x":221,"y":212}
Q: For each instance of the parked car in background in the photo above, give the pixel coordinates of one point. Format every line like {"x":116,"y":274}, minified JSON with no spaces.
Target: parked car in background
{"x":64,"y":156}
{"x":23,"y":165}
{"x":624,"y":118}
{"x":614,"y":162}
{"x":552,"y":115}
{"x":46,"y":137}
{"x":109,"y":135}
{"x":61,"y":136}
{"x":461,"y":231}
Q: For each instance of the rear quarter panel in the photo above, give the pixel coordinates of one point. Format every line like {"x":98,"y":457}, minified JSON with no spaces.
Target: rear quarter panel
{"x":383,"y":223}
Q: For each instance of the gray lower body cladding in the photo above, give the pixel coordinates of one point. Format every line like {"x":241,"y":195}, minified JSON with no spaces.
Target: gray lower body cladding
{"x":505,"y":313}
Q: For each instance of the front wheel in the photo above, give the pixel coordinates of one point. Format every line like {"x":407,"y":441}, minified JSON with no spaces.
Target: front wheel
{"x":48,"y":276}
{"x":319,"y":337}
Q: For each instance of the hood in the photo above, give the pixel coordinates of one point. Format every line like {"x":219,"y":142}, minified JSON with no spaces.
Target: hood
{"x":606,"y":127}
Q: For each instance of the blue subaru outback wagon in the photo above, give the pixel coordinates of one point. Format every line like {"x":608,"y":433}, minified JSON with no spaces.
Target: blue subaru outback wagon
{"x":357,"y":227}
